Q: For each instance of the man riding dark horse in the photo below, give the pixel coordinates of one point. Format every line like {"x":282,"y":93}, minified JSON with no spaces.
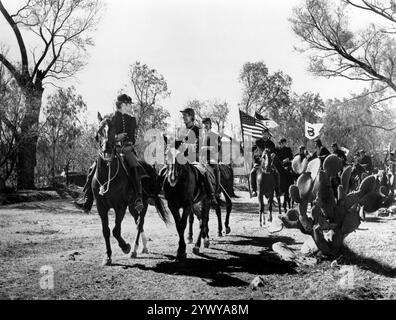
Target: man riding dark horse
{"x":339,"y":153}
{"x":189,"y":142}
{"x":321,"y":151}
{"x":365,"y":161}
{"x":261,"y":144}
{"x":284,"y":154}
{"x":125,"y":130}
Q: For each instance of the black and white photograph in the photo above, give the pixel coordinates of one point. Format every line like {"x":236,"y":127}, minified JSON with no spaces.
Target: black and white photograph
{"x":201,"y":157}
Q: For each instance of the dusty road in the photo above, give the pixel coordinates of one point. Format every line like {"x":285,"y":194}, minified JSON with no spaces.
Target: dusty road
{"x":57,"y":236}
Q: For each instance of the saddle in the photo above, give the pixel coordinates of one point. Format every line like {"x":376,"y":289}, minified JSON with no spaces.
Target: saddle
{"x":203,"y":168}
{"x":142,"y":172}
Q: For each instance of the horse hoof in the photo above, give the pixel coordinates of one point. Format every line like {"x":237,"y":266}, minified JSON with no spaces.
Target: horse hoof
{"x":228,"y":230}
{"x":206,"y":243}
{"x":127,"y":249}
{"x":220,"y":234}
{"x":106,"y":262}
{"x":133,"y":255}
{"x":190,"y":241}
{"x":181,"y":256}
{"x":196,"y":250}
{"x":145,"y":251}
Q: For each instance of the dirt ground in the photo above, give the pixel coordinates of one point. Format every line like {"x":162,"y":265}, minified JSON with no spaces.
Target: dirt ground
{"x":56,"y":236}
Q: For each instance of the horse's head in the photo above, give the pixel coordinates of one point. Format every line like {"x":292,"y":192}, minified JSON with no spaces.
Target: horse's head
{"x":266,"y":160}
{"x":176,"y":162}
{"x":105,"y":136}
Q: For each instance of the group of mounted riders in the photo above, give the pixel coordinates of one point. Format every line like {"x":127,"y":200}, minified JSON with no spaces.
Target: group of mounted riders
{"x":283,"y":158}
{"x":207,"y":150}
{"x":198,"y":150}
{"x":192,"y":179}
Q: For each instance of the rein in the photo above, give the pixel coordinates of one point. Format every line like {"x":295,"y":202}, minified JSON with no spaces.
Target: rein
{"x":104,"y":188}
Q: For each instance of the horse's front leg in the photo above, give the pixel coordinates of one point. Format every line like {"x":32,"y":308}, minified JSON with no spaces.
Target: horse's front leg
{"x":261,"y":208}
{"x":203,"y":228}
{"x":190,"y":228}
{"x":181,"y":223}
{"x":106,"y":234}
{"x":219,"y":221}
{"x":227,"y":219}
{"x":120,"y":214}
{"x":270,"y":203}
{"x":140,"y":223}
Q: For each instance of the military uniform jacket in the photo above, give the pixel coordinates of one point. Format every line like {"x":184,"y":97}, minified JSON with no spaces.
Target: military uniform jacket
{"x":124,"y":123}
{"x":284,"y":153}
{"x":190,"y":138}
{"x":211,"y":148}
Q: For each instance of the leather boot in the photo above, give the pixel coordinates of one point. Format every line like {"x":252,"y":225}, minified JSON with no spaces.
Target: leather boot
{"x":137,"y":186}
{"x":86,"y":202}
{"x":209,"y":190}
{"x":253,"y":182}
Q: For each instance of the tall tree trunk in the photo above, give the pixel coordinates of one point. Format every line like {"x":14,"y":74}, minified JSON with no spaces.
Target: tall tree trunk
{"x":29,"y":136}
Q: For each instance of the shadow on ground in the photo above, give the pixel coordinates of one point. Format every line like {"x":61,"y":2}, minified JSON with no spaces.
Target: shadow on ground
{"x":352,"y":258}
{"x":222,"y":272}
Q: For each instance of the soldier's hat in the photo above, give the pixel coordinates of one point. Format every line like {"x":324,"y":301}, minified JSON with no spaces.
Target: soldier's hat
{"x":283,"y":140}
{"x":124,"y":98}
{"x":189,"y":111}
{"x":207,"y":120}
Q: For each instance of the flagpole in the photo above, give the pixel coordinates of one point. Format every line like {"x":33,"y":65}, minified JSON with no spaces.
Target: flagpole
{"x":244,"y":156}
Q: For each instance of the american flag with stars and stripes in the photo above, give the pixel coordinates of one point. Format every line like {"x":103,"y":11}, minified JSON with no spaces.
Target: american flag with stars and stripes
{"x":251,"y":126}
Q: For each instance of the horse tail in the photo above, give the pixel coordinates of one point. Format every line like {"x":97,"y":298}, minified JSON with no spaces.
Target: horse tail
{"x":161,"y":209}
{"x":227,"y":179}
{"x":154,"y":191}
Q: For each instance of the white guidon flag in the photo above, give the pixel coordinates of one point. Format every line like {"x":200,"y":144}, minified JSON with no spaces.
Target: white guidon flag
{"x":312,"y":131}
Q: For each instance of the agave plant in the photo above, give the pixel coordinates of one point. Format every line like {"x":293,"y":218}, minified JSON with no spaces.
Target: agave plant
{"x":335,"y":209}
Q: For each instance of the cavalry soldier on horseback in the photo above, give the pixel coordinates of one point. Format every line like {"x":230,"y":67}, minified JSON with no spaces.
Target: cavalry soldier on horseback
{"x":284,"y":154}
{"x":125,"y":130}
{"x":210,"y":151}
{"x":321,"y":151}
{"x":190,"y":139}
{"x":339,"y":153}
{"x":365,"y":161}
{"x":261,"y":144}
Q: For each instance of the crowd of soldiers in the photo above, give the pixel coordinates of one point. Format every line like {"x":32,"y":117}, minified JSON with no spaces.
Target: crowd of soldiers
{"x":206,"y":150}
{"x":285,"y":155}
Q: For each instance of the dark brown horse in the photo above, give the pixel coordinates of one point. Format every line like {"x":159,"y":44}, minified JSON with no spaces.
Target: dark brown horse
{"x":267,"y":185}
{"x":184,"y":190}
{"x":287,"y":179}
{"x":112,"y":189}
{"x":226,"y":188}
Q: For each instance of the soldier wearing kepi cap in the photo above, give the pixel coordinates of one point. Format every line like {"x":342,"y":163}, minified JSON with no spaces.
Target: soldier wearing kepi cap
{"x":125,"y":130}
{"x":261,"y":144}
{"x":191,"y":140}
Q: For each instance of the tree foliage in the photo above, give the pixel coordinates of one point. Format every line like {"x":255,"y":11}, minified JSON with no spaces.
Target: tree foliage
{"x":337,"y":50}
{"x":62,"y":127}
{"x":214,"y":109}
{"x":262,"y":91}
{"x":60,"y":30}
{"x":149,"y":87}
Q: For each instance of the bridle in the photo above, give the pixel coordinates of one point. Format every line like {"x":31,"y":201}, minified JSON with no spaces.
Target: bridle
{"x":105,"y":187}
{"x":266,"y":162}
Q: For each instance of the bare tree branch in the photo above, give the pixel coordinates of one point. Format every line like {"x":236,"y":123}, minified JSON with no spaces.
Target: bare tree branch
{"x":21,"y":43}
